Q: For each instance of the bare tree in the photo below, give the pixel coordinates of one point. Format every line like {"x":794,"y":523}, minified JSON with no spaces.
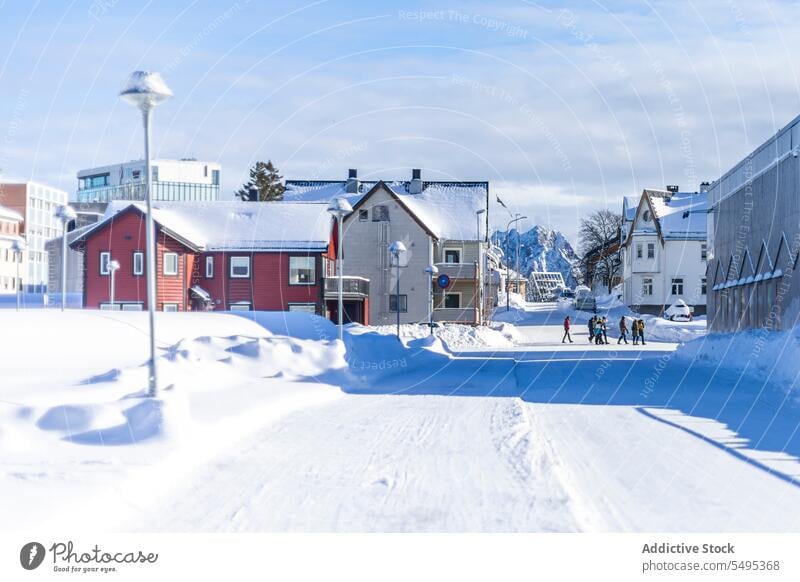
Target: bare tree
{"x":599,"y":243}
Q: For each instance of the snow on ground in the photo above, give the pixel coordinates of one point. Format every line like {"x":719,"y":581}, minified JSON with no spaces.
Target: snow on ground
{"x":270,"y":424}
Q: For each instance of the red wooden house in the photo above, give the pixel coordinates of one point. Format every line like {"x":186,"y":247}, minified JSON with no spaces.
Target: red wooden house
{"x":264,"y":256}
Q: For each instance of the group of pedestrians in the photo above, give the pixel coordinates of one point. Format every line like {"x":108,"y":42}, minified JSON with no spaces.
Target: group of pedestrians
{"x":598,"y":330}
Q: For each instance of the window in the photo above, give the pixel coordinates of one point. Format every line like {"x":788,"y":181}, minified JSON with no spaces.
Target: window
{"x":241,"y":305}
{"x":704,"y":252}
{"x":380,"y":213}
{"x":170,"y":263}
{"x":215,"y":177}
{"x":703,"y":286}
{"x":138,"y":263}
{"x":403,"y":303}
{"x":170,"y":307}
{"x":646,"y":215}
{"x":209,"y":267}
{"x":303,"y":307}
{"x":301,"y":271}
{"x":363,"y":215}
{"x":647,"y":286}
{"x":651,"y":250}
{"x":677,"y":286}
{"x":105,"y":259}
{"x":132,"y":307}
{"x":154,"y":171}
{"x":240,"y":268}
{"x":452,"y":300}
{"x":639,"y":251}
{"x":452,"y":255}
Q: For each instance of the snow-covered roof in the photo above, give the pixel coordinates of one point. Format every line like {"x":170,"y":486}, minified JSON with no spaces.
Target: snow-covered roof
{"x":680,"y":214}
{"x":446,"y":208}
{"x":629,"y":204}
{"x":239,"y":225}
{"x":9,"y":214}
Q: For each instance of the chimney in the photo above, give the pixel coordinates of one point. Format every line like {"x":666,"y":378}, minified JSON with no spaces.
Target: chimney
{"x":415,"y":186}
{"x":705,"y":186}
{"x":351,"y":187}
{"x":672,"y":188}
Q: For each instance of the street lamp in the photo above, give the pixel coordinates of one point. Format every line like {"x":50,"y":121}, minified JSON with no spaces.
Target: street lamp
{"x":18,"y":246}
{"x":339,"y":207}
{"x":145,"y":90}
{"x":396,"y":248}
{"x":516,"y":218}
{"x":432,"y":271}
{"x":113,"y":267}
{"x":479,"y":302}
{"x":65,"y":214}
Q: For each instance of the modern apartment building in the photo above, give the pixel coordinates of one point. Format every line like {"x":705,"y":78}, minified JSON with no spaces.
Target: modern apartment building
{"x":440,"y":223}
{"x":38,"y":205}
{"x":172,"y":181}
{"x":754,"y":238}
{"x":10,"y":268}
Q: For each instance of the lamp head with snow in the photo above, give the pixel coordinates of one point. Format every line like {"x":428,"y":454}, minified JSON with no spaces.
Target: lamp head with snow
{"x":339,"y":207}
{"x":113,"y":266}
{"x":432,"y":270}
{"x":66,"y":213}
{"x":18,"y":245}
{"x":145,"y":90}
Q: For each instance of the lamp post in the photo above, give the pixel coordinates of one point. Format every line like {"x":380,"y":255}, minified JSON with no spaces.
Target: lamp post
{"x":516,"y":218}
{"x":66,"y":214}
{"x":145,"y":90}
{"x":479,"y":275}
{"x":18,"y":246}
{"x":432,"y":271}
{"x":396,"y":248}
{"x":339,"y":207}
{"x":113,"y":267}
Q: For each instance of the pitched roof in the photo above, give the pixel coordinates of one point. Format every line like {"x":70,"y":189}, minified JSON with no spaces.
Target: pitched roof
{"x":9,"y":214}
{"x":676,"y":215}
{"x":447,"y":210}
{"x":237,"y":225}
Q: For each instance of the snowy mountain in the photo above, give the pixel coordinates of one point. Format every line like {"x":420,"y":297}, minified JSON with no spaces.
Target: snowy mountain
{"x":541,"y":249}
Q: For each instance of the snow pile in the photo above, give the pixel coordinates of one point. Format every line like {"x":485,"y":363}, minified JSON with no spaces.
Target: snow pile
{"x":456,"y":337}
{"x":760,"y":353}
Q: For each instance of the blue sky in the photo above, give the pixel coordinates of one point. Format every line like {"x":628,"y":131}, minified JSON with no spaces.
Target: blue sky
{"x":564,"y":107}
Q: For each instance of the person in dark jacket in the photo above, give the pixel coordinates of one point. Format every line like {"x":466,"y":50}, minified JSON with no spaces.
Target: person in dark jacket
{"x":598,"y":331}
{"x":641,"y":331}
{"x":566,"y":331}
{"x":623,"y":330}
{"x":591,"y":329}
{"x":635,"y":331}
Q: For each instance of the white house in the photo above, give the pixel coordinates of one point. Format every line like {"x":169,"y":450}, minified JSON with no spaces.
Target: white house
{"x":664,"y":252}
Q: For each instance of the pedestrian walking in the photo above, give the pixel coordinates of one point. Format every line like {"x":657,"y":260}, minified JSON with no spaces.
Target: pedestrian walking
{"x":604,"y":327}
{"x":591,"y":329}
{"x":623,"y":331}
{"x":641,"y":331}
{"x":635,"y":332}
{"x":598,"y":331}
{"x":566,"y":331}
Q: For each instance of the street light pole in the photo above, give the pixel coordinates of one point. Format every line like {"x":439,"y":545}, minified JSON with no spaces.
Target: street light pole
{"x":516,"y":218}
{"x":396,"y":248}
{"x":66,"y":214}
{"x":113,"y":266}
{"x":339,"y":207}
{"x":480,"y":274}
{"x":432,"y":271}
{"x":18,"y":246}
{"x":145,"y":90}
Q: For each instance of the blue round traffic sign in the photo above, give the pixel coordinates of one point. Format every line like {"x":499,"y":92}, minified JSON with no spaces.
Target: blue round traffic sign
{"x":443,"y":281}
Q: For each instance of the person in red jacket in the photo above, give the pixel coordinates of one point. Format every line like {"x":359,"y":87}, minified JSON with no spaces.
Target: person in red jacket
{"x":566,"y":331}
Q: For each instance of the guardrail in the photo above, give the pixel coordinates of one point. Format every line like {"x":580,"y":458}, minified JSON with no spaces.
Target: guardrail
{"x":352,"y":285}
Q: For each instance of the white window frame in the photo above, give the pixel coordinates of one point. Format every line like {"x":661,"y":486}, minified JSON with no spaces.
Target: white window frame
{"x":402,"y":296}
{"x":647,"y":286}
{"x":651,"y":247}
{"x":703,"y":285}
{"x":138,"y":255}
{"x":209,"y":267}
{"x":447,"y":294}
{"x":313,"y":280}
{"x":240,"y":306}
{"x":232,"y":266}
{"x":363,"y":215}
{"x":164,"y":265}
{"x":451,"y":249}
{"x":169,"y":307}
{"x":673,"y":286}
{"x":105,"y":260}
{"x":384,"y":212}
{"x":639,"y":254}
{"x":303,"y":307}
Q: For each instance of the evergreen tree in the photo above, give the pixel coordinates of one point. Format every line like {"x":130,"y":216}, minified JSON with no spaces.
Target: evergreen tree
{"x":265,"y":178}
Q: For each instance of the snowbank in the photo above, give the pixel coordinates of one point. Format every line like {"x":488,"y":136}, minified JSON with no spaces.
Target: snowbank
{"x":766,"y":355}
{"x":457,"y":337}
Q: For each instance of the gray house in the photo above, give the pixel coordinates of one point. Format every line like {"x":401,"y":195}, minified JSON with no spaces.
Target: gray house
{"x":440,"y":223}
{"x":754,"y":235}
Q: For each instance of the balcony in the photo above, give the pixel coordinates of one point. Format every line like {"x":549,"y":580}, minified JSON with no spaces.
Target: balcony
{"x":162,"y":191}
{"x":457,"y":270}
{"x":352,"y":287}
